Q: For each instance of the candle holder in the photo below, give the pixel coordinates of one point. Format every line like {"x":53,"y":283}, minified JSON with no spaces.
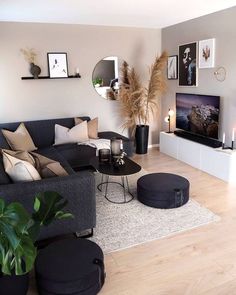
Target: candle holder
{"x":104,"y":155}
{"x":232,"y":145}
{"x":116,"y":146}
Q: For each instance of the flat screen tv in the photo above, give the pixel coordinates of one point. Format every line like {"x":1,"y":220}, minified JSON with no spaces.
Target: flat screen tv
{"x":198,"y":114}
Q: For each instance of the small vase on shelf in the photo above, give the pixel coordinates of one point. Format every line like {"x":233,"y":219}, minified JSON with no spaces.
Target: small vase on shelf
{"x":35,"y":70}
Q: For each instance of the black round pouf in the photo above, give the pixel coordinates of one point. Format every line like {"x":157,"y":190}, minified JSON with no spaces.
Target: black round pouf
{"x":163,"y":190}
{"x":70,"y":266}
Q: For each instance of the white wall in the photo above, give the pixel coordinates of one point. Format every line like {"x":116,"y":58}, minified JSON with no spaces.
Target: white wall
{"x":85,"y":46}
{"x":221,"y":26}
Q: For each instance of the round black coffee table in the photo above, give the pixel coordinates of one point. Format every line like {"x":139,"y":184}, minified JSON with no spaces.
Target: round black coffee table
{"x":107,"y":169}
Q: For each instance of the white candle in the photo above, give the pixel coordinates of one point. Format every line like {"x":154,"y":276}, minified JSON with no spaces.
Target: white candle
{"x":233,"y":135}
{"x":223,"y":140}
{"x":77,"y":70}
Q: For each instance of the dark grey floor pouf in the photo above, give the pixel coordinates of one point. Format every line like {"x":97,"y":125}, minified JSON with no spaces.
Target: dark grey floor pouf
{"x":70,"y":266}
{"x":163,"y":190}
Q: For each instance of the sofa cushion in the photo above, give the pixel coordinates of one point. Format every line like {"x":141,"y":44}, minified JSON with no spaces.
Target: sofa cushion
{"x":78,"y":133}
{"x":20,"y":139}
{"x":22,"y":155}
{"x":76,"y":155}
{"x":92,"y":127}
{"x":19,"y":170}
{"x":48,"y":167}
{"x":52,"y":153}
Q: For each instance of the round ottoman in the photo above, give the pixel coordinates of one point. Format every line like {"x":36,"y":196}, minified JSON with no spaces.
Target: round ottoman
{"x":70,"y":266}
{"x":163,"y":190}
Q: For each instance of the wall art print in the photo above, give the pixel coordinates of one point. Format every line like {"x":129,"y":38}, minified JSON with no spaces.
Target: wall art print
{"x":206,"y":56}
{"x":172,"y":67}
{"x":188,"y":64}
{"x":57,"y":64}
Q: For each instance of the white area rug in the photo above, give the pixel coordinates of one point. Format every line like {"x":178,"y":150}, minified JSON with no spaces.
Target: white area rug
{"x":120,"y":226}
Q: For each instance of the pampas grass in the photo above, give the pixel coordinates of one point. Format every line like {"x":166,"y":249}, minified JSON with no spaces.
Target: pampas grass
{"x":137,"y":101}
{"x":29,"y":54}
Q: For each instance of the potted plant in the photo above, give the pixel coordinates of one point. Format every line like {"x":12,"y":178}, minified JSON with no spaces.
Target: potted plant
{"x":30,"y":57}
{"x":18,"y":233}
{"x":138,"y":102}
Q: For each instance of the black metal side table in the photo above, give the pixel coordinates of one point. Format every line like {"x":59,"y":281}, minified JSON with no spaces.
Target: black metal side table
{"x":108,"y":169}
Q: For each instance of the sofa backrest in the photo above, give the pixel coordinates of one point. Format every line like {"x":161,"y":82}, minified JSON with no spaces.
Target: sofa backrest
{"x":41,"y":131}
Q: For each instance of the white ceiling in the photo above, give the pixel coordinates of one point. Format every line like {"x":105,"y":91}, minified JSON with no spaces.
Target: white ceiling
{"x":130,"y":13}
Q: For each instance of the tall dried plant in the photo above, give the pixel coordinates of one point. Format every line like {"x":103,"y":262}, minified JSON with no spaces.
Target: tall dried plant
{"x":156,"y":86}
{"x":136,"y":101}
{"x":131,"y":97}
{"x":29,"y":54}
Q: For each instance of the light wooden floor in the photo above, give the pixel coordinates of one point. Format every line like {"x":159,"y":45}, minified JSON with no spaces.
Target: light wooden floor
{"x":199,"y":261}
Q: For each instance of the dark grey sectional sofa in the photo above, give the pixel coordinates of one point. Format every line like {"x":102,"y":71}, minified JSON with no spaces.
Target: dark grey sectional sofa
{"x":78,"y":187}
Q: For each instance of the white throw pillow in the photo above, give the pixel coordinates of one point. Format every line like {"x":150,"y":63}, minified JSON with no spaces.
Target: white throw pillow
{"x":78,"y":133}
{"x":19,"y":170}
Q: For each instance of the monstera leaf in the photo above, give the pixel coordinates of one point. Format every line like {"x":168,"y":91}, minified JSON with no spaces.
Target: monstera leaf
{"x":19,"y":230}
{"x":17,"y":251}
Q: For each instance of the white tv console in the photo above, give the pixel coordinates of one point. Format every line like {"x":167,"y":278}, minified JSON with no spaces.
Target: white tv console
{"x":217,"y":162}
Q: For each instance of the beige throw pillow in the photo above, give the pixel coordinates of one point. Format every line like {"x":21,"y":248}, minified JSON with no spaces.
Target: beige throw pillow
{"x":19,"y":140}
{"x":48,"y":167}
{"x":19,"y":170}
{"x":22,"y":155}
{"x":78,"y":133}
{"x":92,"y":127}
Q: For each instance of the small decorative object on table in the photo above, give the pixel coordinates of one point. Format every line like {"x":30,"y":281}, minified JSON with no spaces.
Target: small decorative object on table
{"x":224,"y":147}
{"x":119,"y":160}
{"x":116,"y":146}
{"x":30,"y":57}
{"x":104,"y":155}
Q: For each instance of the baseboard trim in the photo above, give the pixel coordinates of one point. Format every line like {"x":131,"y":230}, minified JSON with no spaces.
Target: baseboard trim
{"x":153,"y":145}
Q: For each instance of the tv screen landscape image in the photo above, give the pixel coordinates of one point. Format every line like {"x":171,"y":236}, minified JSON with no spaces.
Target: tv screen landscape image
{"x":198,"y":114}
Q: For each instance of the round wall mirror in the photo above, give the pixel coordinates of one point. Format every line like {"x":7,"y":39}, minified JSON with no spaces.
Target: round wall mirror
{"x":105,"y":77}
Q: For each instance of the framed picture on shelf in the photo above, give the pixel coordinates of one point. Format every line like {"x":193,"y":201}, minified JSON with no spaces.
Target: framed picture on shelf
{"x":172,"y":67}
{"x":57,"y":64}
{"x":206,"y":54}
{"x":188,"y":64}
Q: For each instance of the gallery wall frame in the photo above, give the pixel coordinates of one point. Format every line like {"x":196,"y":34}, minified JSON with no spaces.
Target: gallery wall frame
{"x":206,"y":53}
{"x":188,"y":74}
{"x":172,"y":67}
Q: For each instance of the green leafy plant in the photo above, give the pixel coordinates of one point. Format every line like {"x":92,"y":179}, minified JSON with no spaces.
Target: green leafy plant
{"x":19,"y":230}
{"x":97,"y":81}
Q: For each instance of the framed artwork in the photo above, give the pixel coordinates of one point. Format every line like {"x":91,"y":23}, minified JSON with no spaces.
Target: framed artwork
{"x":57,"y":64}
{"x":172,"y":67}
{"x":188,"y":64}
{"x":206,"y":53}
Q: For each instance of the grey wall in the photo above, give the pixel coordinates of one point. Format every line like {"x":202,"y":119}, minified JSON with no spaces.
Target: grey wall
{"x":85,"y":46}
{"x":221,"y":26}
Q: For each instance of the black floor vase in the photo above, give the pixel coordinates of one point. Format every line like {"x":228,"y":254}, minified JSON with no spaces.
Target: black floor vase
{"x":141,"y":139}
{"x":14,"y":285}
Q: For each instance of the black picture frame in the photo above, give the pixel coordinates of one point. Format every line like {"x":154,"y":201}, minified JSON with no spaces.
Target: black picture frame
{"x":172,"y":67}
{"x":188,"y":65}
{"x":57,"y":65}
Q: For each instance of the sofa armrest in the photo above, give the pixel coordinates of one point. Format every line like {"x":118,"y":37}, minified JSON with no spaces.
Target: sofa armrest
{"x":78,"y":189}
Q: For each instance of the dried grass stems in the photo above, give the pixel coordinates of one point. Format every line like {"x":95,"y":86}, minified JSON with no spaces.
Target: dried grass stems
{"x":137,"y":101}
{"x":29,"y":54}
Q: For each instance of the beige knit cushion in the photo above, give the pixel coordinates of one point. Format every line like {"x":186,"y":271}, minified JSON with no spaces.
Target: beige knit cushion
{"x":92,"y":127}
{"x":19,"y":170}
{"x":78,"y":133}
{"x":19,"y":140}
{"x":48,"y":167}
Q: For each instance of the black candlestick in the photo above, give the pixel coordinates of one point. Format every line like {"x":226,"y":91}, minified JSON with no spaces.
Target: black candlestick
{"x":232,"y":146}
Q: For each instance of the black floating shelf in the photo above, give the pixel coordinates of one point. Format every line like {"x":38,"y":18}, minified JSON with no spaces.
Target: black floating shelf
{"x":47,"y":77}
